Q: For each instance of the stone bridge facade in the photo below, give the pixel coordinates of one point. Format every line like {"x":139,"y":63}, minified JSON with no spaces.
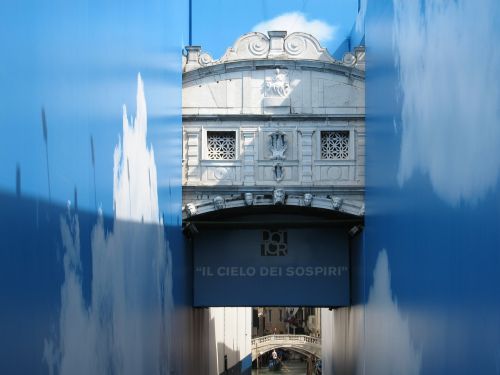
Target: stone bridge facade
{"x":303,"y":344}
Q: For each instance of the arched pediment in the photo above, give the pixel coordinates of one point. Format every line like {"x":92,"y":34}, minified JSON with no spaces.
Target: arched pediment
{"x":256,"y":45}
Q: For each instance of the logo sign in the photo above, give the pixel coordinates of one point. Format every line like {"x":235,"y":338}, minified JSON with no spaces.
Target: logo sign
{"x":274,"y":243}
{"x":264,"y":267}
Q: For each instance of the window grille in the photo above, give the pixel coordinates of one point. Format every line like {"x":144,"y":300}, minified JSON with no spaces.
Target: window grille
{"x":221,"y":145}
{"x":334,"y":145}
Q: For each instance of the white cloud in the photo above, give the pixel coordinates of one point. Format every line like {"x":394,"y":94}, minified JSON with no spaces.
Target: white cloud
{"x":297,"y":22}
{"x":389,"y":349}
{"x":447,"y":64}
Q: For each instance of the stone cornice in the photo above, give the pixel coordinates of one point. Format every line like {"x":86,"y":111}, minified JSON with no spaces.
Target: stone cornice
{"x":334,"y":202}
{"x":226,"y":189}
{"x":249,"y":65}
{"x":258,"y":117}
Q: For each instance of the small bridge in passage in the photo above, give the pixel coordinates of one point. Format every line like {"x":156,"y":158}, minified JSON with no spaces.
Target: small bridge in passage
{"x":300,"y":343}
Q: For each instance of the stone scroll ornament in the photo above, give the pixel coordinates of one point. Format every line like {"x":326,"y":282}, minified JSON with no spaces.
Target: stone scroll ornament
{"x":258,"y":45}
{"x":205,"y":59}
{"x":295,"y":45}
{"x":277,"y":86}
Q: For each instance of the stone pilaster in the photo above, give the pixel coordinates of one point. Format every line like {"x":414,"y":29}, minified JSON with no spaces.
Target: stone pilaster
{"x":249,"y":156}
{"x":306,"y":150}
{"x":193,"y":156}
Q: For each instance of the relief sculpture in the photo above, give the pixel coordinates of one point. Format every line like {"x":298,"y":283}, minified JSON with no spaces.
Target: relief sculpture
{"x":277,"y":86}
{"x":278,"y":146}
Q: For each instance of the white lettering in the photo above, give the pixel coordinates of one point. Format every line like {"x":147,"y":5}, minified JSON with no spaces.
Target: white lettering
{"x":251,"y":271}
{"x":264,"y":271}
{"x":222,"y":271}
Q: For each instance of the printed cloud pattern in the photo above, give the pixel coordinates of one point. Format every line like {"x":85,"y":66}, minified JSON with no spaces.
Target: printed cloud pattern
{"x":125,"y":328}
{"x":448,"y":69}
{"x":389,"y":349}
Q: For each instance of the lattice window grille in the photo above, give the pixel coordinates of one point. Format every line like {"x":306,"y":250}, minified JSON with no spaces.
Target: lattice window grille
{"x":221,"y":145}
{"x":334,"y":145}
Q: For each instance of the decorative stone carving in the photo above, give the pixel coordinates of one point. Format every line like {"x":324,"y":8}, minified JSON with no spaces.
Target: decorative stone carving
{"x":295,"y":44}
{"x":221,"y":145}
{"x":223,"y":173}
{"x":304,"y":46}
{"x":277,"y":45}
{"x":279,"y":196}
{"x":249,"y":46}
{"x":278,"y":172}
{"x":337,"y":203}
{"x":334,"y":173}
{"x":205,"y":59}
{"x":308,"y":198}
{"x":349,"y":59}
{"x":258,"y":45}
{"x":277,"y":86}
{"x":278,"y":145}
{"x":248,"y":199}
{"x":356,"y":59}
{"x":219,"y":202}
{"x":191,"y":209}
{"x":335,"y":144}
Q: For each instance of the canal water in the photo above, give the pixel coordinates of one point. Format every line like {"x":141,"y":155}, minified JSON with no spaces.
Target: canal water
{"x":292,"y":367}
